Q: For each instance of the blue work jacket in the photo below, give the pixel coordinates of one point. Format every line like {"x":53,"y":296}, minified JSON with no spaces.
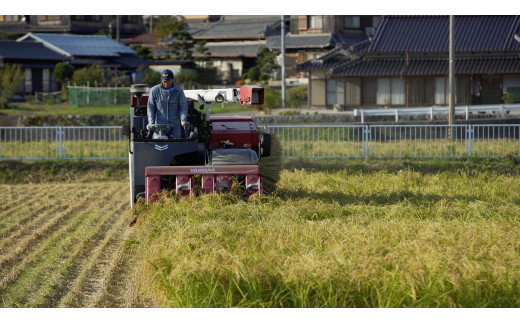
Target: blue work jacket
{"x":167,"y":107}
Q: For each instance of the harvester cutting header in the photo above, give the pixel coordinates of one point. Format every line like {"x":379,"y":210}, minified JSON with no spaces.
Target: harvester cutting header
{"x":208,"y":153}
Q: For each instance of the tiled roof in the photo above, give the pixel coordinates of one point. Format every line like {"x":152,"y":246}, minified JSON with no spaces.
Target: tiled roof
{"x":28,"y":51}
{"x":323,"y":40}
{"x":143,"y":38}
{"x":79,"y":45}
{"x":234,"y":49}
{"x":484,"y":44}
{"x":240,"y":27}
{"x":431,"y":34}
{"x":334,"y":58}
{"x":429,"y":66}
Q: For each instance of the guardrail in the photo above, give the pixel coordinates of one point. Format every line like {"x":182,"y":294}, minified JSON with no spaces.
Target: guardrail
{"x":466,"y":111}
{"x":298,"y":141}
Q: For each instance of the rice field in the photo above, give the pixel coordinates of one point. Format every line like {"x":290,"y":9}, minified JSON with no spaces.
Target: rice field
{"x":368,"y":235}
{"x":61,"y":245}
{"x":336,"y":234}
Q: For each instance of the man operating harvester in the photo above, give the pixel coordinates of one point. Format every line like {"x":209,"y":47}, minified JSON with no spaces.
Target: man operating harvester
{"x":167,"y":105}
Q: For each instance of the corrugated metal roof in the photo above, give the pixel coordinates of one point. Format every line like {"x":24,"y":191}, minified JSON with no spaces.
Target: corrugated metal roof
{"x":30,"y":51}
{"x":431,"y":34}
{"x":429,"y":66}
{"x":79,"y":45}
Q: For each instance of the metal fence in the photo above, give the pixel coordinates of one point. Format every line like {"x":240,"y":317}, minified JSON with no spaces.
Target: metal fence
{"x":85,"y":96}
{"x":423,"y":141}
{"x":62,"y":143}
{"x":299,"y":141}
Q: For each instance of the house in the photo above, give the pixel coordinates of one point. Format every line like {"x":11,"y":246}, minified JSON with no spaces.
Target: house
{"x":406,"y":64}
{"x":311,"y":36}
{"x":233,"y":42}
{"x":37,"y":63}
{"x":116,"y":26}
{"x":84,"y":50}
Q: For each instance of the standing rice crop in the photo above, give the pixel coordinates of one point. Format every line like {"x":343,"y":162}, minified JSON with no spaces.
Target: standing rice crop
{"x":339,"y":237}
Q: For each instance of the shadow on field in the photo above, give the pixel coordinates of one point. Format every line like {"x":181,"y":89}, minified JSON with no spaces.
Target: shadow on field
{"x":415,"y":198}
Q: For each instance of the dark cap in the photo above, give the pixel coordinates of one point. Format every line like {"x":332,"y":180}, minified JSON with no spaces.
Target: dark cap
{"x":166,"y":75}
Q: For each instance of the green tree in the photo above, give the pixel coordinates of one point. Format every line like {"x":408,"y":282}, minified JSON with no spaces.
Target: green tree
{"x":142,"y":52}
{"x":272,"y":98}
{"x":168,"y":25}
{"x":90,"y":74}
{"x":207,"y":76}
{"x":151,"y":77}
{"x":200,"y":78}
{"x":182,"y":44}
{"x":10,"y":76}
{"x":63,"y":72}
{"x":8,"y":35}
{"x":186,"y":79}
{"x":265,"y":66}
{"x":297,"y":96}
{"x":204,"y":58}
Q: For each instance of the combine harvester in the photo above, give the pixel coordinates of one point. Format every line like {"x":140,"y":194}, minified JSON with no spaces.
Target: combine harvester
{"x":208,"y":156}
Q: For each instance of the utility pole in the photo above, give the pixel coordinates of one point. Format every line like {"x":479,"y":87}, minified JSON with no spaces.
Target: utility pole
{"x":451,"y":116}
{"x":283,"y":60}
{"x":117,"y":28}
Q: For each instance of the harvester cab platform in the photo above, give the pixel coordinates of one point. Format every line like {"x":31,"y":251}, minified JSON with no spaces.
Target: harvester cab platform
{"x":212,"y":150}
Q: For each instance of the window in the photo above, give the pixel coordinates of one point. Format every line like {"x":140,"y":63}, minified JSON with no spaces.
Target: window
{"x":462,"y":90}
{"x":46,"y":78}
{"x":14,"y":18}
{"x":369,"y":91}
{"x":28,"y":80}
{"x":129,"y":19}
{"x":86,"y":18}
{"x":440,"y":91}
{"x":429,"y":91}
{"x":398,"y":91}
{"x":49,"y":18}
{"x":314,"y":22}
{"x":415,"y":91}
{"x":353,"y":92}
{"x":350,"y":22}
{"x":385,"y":91}
{"x":335,"y":92}
{"x":383,"y":95}
{"x":435,"y":90}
